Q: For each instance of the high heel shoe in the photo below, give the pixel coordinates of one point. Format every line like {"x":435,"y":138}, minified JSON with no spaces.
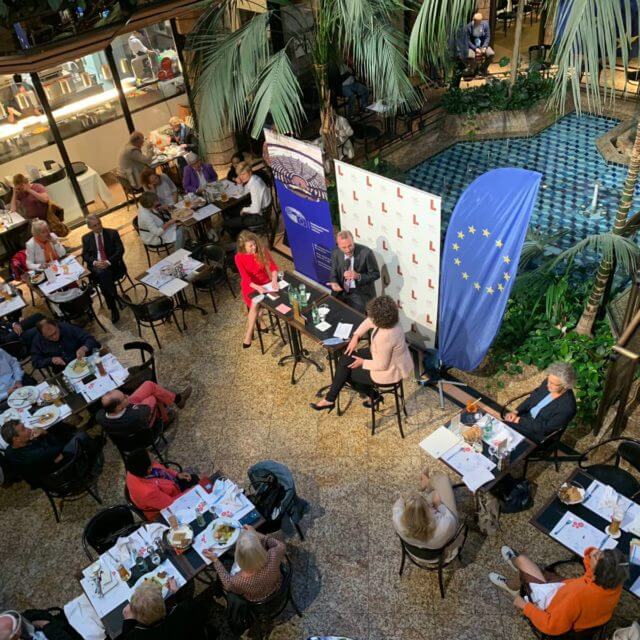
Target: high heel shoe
{"x":245,"y":345}
{"x":319,"y":407}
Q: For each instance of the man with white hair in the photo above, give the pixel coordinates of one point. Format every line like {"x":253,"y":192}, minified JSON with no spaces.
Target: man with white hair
{"x":33,"y":625}
{"x":354,"y":270}
{"x":102,"y":252}
{"x":197,"y":174}
{"x":478,"y":38}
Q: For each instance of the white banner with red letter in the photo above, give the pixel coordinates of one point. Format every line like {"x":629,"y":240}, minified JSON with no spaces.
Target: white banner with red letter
{"x":401,"y":224}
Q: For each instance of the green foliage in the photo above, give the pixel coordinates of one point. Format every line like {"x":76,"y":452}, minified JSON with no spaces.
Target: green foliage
{"x":534,"y":332}
{"x":494,"y":96}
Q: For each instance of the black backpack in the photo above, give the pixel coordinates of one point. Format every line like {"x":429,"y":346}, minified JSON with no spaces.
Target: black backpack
{"x":267,"y":497}
{"x":514,"y":495}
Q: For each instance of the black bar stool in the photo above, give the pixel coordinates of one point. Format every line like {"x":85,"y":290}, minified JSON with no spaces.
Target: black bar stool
{"x":395,"y":388}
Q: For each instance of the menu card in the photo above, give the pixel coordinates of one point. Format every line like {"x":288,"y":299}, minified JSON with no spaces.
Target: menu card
{"x":185,"y":507}
{"x":577,"y":534}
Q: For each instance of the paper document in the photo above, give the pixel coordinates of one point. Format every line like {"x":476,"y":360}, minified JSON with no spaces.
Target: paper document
{"x":171,"y":288}
{"x":205,"y":212}
{"x":635,"y":587}
{"x":11,"y":305}
{"x":323,"y":326}
{"x":186,"y":506}
{"x":156,"y":279}
{"x":283,"y":308}
{"x":577,"y":534}
{"x":602,"y":499}
{"x":98,"y":387}
{"x":477,"y":477}
{"x":500,"y":435}
{"x":464,"y":459}
{"x":439,"y":441}
{"x":343,"y":330}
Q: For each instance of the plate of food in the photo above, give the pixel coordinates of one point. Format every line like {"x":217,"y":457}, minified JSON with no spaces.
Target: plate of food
{"x":38,"y":278}
{"x":159,"y":576}
{"x":472,"y":434}
{"x":23,"y":397}
{"x":180,"y":537}
{"x":77,"y":368}
{"x":223,"y":532}
{"x":571,"y":493}
{"x":50,"y":394}
{"x":44,"y":417}
{"x":10,"y":414}
{"x":182,"y":214}
{"x":103,"y":578}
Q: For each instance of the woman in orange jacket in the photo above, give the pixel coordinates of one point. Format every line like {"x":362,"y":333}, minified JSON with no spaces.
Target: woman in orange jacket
{"x":578,"y":603}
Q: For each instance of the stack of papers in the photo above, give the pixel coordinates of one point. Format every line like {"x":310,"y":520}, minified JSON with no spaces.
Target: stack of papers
{"x":205,"y":212}
{"x":97,"y":388}
{"x":186,"y":507}
{"x":602,"y":499}
{"x":156,"y":279}
{"x":113,"y":367}
{"x":577,"y":534}
{"x":343,"y":330}
{"x":441,"y":440}
{"x":475,"y":469}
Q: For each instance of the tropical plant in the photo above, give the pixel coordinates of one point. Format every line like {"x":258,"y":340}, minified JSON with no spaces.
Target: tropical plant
{"x":239,"y":80}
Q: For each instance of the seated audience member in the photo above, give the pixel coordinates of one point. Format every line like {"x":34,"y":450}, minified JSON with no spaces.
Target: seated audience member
{"x":478,"y":38}
{"x":34,"y":625}
{"x":260,"y":199}
{"x":122,"y":414}
{"x":576,"y":604}
{"x":550,"y":407}
{"x":387,"y":361}
{"x":153,"y":231}
{"x":428,"y":520}
{"x":20,"y":330}
{"x":259,"y":558}
{"x":152,"y":486}
{"x":236,"y":160}
{"x":102,"y":252}
{"x":11,"y":375}
{"x":43,"y":247}
{"x":351,"y":88}
{"x":160,"y":184}
{"x":133,"y":160}
{"x":197,"y":174}
{"x":31,"y":200}
{"x":183,"y":135}
{"x":33,"y":453}
{"x":354,"y":271}
{"x":147,"y":617}
{"x":58,"y":343}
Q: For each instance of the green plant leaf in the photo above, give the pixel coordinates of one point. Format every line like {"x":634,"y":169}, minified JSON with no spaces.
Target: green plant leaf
{"x":504,"y":61}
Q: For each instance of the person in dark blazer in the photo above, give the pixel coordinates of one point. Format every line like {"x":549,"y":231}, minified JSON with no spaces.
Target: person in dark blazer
{"x":183,"y":135}
{"x":58,"y":343}
{"x":550,"y":407}
{"x":354,"y":271}
{"x":103,"y":253}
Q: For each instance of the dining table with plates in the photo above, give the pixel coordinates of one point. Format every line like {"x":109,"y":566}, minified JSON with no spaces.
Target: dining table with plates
{"x":58,"y":275}
{"x":208,"y":516}
{"x":585,"y":512}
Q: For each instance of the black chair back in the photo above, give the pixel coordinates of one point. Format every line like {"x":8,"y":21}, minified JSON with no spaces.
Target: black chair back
{"x":71,"y":478}
{"x":630,"y":452}
{"x":104,"y":529}
{"x":78,"y":306}
{"x":146,"y":370}
{"x":156,"y":309}
{"x":144,"y":439}
{"x":17,"y":349}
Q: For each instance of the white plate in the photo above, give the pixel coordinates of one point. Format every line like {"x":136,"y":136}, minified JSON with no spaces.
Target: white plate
{"x":10,"y":414}
{"x":51,"y":410}
{"x":75,"y":375}
{"x":212,"y":542}
{"x":153,"y":577}
{"x":568,"y":502}
{"x":23,"y":397}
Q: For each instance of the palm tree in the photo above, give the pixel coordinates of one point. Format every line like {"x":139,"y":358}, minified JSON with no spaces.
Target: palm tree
{"x":239,"y":80}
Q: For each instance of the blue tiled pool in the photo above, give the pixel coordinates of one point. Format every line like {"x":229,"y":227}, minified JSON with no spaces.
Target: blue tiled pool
{"x":568,"y":159}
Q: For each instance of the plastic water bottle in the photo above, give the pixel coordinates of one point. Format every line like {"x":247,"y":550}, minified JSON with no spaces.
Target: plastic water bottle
{"x":315,"y":315}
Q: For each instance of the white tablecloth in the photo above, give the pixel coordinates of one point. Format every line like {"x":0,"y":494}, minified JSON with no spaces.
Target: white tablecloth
{"x":93,"y":188}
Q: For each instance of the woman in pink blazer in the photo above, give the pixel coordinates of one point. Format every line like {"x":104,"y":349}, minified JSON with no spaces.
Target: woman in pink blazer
{"x":388,"y":361}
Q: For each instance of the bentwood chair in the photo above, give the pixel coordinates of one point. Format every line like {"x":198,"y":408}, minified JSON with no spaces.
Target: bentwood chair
{"x":216,"y":257}
{"x":79,"y":307}
{"x":156,"y":249}
{"x":623,"y":481}
{"x":437,"y":559}
{"x":127,"y":496}
{"x":104,"y":529}
{"x":151,"y":438}
{"x":144,"y":371}
{"x":73,"y":480}
{"x":376,"y":398}
{"x":152,"y":313}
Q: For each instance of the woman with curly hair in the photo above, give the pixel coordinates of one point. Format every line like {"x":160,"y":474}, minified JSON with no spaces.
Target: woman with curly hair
{"x":257,"y":269}
{"x":386,"y":362}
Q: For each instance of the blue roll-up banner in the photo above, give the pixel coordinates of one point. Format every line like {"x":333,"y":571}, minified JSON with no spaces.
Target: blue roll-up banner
{"x":302,"y":190}
{"x":480,"y":262}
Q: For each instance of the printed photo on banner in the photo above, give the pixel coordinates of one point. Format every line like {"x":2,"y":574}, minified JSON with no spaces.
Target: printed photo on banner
{"x":401,"y":225}
{"x":302,"y":190}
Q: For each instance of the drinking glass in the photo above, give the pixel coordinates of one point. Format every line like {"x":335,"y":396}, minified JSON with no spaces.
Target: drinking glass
{"x":616,"y":520}
{"x":141,"y":564}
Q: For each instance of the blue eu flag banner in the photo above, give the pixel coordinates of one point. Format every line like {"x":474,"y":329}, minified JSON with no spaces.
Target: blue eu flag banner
{"x":480,"y":262}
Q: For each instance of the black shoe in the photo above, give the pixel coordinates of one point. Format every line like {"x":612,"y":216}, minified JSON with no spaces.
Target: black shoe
{"x":376,"y":401}
{"x":183,"y":396}
{"x":317,"y":407}
{"x":115,"y":315}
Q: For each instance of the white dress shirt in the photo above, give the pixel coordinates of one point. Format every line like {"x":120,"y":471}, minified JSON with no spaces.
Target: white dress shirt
{"x":137,"y":46}
{"x":166,"y":190}
{"x":151,"y":231}
{"x":260,"y":195}
{"x":349,"y":284}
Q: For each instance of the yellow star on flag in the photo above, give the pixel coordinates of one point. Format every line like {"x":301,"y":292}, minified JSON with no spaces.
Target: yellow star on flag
{"x":476,"y":286}
{"x":455,"y":246}
{"x":490,"y":290}
{"x":500,"y":288}
{"x":472,"y":229}
{"x":465,"y":275}
{"x":507,"y":259}
{"x":486,"y":233}
{"x":507,"y":277}
{"x":460,"y":235}
{"x":457,"y":262}
{"x":499,"y":244}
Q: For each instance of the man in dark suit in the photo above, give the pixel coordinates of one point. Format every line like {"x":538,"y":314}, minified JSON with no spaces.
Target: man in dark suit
{"x":550,"y":407}
{"x":354,"y":271}
{"x":103,"y":252}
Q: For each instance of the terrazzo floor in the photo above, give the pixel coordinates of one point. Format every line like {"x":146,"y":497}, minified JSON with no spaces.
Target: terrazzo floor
{"x":244,"y":409}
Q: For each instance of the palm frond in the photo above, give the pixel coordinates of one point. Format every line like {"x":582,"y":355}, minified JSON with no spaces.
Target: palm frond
{"x":538,"y":244}
{"x":278,"y":93}
{"x":438,"y":23}
{"x":594,"y":35}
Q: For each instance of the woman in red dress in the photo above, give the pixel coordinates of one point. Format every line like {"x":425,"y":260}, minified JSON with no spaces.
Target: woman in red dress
{"x":257,"y":269}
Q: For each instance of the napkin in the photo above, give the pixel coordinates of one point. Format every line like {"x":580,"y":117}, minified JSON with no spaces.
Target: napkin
{"x":84,"y":619}
{"x":542,"y":594}
{"x":609,"y":498}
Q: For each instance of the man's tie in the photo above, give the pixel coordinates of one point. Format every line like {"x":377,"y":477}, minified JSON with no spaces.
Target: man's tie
{"x":102,"y":256}
{"x":347,"y":266}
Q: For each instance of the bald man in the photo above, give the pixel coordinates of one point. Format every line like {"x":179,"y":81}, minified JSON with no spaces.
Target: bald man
{"x":103,"y":253}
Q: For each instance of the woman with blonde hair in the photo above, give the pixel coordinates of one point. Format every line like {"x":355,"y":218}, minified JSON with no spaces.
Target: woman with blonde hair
{"x":257,"y":269}
{"x":427,"y":519}
{"x":43,"y":247}
{"x":259,"y":558}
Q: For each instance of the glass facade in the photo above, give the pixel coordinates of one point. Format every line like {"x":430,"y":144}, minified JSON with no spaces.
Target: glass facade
{"x":89,"y":112}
